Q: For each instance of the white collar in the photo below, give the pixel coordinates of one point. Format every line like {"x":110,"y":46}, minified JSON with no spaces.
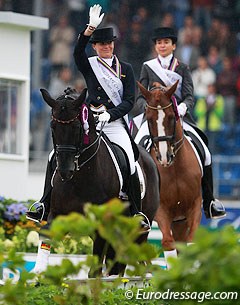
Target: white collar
{"x":165,"y":61}
{"x":109,"y":61}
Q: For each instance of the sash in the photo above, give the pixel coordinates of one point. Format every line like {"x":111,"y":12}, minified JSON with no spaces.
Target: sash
{"x":108,"y":78}
{"x":167,"y":76}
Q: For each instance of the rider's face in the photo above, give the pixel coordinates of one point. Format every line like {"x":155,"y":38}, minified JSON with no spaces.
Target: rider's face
{"x":104,"y":49}
{"x":164,"y":46}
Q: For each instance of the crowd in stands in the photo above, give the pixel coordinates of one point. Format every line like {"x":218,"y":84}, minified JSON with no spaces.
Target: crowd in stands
{"x":208,"y":41}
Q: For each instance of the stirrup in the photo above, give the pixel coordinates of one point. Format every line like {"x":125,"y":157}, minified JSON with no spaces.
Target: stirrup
{"x":146,"y":218}
{"x":218,"y":205}
{"x":123,"y":196}
{"x":33,"y":208}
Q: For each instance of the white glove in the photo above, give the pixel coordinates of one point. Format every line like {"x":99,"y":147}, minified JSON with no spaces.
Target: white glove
{"x":182,"y":109}
{"x":104,"y":117}
{"x":94,"y":15}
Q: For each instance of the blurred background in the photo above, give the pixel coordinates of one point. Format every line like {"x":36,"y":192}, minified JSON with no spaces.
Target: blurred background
{"x":208,"y":41}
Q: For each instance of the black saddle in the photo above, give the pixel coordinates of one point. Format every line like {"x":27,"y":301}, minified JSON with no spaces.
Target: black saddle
{"x":198,"y":145}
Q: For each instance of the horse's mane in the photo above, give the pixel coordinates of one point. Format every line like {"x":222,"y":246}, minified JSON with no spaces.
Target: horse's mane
{"x":69,"y":93}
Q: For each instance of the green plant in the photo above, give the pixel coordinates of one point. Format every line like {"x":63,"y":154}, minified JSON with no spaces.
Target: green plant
{"x":209,"y":265}
{"x":19,"y":233}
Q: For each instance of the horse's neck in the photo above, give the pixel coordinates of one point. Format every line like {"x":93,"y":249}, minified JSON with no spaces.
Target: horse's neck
{"x":179,"y":130}
{"x":179,"y":140}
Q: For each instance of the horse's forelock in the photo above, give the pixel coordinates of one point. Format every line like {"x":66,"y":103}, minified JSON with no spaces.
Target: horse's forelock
{"x":69,"y":93}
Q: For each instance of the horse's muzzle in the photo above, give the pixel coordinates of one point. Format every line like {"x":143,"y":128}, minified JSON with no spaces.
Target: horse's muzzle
{"x":65,"y":175}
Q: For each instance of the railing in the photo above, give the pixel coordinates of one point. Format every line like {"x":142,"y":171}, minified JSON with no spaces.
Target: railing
{"x":226,"y":176}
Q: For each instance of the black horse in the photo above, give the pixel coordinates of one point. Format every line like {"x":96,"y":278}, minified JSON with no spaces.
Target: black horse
{"x":85,"y":171}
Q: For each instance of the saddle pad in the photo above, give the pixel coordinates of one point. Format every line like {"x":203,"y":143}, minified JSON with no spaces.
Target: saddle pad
{"x":141,"y":180}
{"x":120,"y":176}
{"x":196,"y":152}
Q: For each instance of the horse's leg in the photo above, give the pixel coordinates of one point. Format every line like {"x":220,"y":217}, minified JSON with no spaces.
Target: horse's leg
{"x":99,"y":249}
{"x":180,"y":230}
{"x":117,"y":268}
{"x":43,"y":253}
{"x":194,"y":220}
{"x":164,"y":224}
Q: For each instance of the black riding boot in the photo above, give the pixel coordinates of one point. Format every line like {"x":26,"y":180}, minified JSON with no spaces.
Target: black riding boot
{"x":211,"y":210}
{"x":134,"y":196}
{"x":42,"y":207}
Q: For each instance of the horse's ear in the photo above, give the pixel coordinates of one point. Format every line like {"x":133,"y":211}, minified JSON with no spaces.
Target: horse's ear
{"x":81,"y":97}
{"x":47,"y":98}
{"x":144,"y":91}
{"x":171,"y":90}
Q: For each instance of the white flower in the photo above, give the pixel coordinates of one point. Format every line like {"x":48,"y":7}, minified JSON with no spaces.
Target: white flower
{"x":8,"y":244}
{"x":32,"y":239}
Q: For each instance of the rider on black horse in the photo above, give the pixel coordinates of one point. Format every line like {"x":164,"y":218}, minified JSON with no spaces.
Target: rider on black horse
{"x":111,"y":92}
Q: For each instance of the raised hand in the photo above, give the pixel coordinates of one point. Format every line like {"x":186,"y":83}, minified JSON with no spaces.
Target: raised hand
{"x":94,"y":15}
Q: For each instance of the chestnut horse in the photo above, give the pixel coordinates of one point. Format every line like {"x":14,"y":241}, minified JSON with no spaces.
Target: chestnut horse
{"x":85,"y":169}
{"x":179,"y":213}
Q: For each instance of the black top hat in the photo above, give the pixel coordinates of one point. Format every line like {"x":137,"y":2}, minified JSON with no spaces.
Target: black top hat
{"x":102,"y":35}
{"x":164,"y":32}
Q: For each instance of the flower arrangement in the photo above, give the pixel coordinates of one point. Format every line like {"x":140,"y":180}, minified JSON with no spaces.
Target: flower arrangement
{"x":22,"y":234}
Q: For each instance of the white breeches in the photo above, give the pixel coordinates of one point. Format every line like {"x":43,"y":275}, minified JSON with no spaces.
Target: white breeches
{"x":143,"y":131}
{"x":117,"y":133}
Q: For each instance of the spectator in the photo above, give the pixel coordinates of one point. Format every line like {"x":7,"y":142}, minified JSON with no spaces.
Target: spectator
{"x":136,"y":47}
{"x":187,"y":28}
{"x":209,"y":113}
{"x":199,"y":40}
{"x":58,"y":84}
{"x":220,"y":35}
{"x":77,"y":13}
{"x":61,"y":39}
{"x":202,"y":76}
{"x":214,"y":59}
{"x":167,"y":21}
{"x":201,"y":10}
{"x":225,"y":11}
{"x":142,"y":15}
{"x":187,"y":52}
{"x":79,"y":84}
{"x":178,"y":9}
{"x":226,"y":82}
{"x":226,"y":40}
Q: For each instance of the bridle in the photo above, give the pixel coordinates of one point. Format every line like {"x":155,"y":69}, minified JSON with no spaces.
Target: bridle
{"x":77,"y":149}
{"x":174,"y":145}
